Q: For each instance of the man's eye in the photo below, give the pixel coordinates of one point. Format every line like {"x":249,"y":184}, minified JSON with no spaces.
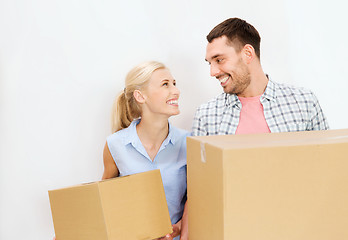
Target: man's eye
{"x":218,"y":60}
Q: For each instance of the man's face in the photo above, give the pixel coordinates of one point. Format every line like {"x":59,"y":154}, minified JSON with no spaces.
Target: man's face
{"x":227,"y":66}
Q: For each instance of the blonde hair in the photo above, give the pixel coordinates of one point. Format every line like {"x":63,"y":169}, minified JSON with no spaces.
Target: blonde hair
{"x":125,"y":108}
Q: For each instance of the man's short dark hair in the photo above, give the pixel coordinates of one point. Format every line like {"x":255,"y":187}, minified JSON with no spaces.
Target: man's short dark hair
{"x":238,"y":32}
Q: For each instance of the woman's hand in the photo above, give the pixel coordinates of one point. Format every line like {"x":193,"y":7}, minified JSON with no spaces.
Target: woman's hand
{"x":176,"y":229}
{"x":176,"y":232}
{"x":166,"y":237}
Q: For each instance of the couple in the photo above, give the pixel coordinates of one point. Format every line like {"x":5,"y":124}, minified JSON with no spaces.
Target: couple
{"x":144,"y":140}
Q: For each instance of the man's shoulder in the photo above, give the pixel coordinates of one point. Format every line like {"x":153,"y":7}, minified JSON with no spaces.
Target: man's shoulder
{"x":289,"y":88}
{"x":285,"y":90}
{"x":218,"y":100}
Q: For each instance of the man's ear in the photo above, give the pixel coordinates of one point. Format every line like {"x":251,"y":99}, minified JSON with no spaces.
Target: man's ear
{"x":248,"y":52}
{"x":139,"y":97}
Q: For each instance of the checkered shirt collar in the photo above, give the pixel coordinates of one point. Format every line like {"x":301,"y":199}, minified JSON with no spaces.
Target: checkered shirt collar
{"x":270,"y":94}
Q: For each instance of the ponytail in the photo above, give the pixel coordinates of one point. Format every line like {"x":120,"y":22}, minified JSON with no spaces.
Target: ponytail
{"x":124,"y":111}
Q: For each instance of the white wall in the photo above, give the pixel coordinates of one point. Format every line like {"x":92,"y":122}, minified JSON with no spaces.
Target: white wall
{"x":62,"y":62}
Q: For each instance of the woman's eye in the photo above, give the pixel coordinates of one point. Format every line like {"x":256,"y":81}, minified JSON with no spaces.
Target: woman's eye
{"x":165,"y":84}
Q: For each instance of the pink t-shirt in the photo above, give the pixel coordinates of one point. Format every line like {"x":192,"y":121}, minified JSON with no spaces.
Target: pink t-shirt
{"x":252,"y":119}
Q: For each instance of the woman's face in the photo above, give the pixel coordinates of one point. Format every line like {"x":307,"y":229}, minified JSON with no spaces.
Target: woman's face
{"x":161,"y":94}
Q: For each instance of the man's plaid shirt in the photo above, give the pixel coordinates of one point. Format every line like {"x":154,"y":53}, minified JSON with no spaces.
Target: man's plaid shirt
{"x":286,"y":109}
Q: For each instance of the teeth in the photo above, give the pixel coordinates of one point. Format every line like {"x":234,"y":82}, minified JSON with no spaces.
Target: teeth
{"x":173,"y":102}
{"x":223,"y":80}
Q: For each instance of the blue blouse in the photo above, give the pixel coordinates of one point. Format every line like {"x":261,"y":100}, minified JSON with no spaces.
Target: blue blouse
{"x":131,"y":157}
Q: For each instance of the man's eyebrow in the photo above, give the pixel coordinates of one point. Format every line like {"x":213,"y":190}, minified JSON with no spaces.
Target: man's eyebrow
{"x":213,"y":57}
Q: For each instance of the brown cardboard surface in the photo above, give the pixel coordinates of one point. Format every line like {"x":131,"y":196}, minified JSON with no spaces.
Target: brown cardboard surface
{"x":282,"y":186}
{"x":77,"y":213}
{"x":144,"y":209}
{"x":131,"y":207}
{"x":206,"y":192}
{"x":276,"y":139}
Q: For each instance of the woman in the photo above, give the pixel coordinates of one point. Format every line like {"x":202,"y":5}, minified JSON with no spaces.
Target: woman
{"x":144,"y":140}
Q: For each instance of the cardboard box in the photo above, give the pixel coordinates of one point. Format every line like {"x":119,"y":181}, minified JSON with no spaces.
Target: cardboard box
{"x":278,"y":186}
{"x":130,"y":207}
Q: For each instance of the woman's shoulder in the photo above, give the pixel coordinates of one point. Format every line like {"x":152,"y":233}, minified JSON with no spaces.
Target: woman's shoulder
{"x":181,"y":133}
{"x":119,"y":135}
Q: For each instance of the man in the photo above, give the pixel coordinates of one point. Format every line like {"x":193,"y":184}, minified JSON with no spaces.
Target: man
{"x":251,"y":102}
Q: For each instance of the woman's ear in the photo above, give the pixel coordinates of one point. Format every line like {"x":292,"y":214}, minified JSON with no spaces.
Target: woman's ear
{"x":139,"y":97}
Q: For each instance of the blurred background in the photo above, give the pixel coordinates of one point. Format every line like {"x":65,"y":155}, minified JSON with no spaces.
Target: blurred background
{"x":63,"y":62}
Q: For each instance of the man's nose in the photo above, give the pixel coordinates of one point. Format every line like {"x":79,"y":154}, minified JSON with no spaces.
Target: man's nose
{"x":214,"y":70}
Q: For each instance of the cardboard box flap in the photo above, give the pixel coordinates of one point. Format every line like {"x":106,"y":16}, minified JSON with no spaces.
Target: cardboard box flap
{"x":275,"y":139}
